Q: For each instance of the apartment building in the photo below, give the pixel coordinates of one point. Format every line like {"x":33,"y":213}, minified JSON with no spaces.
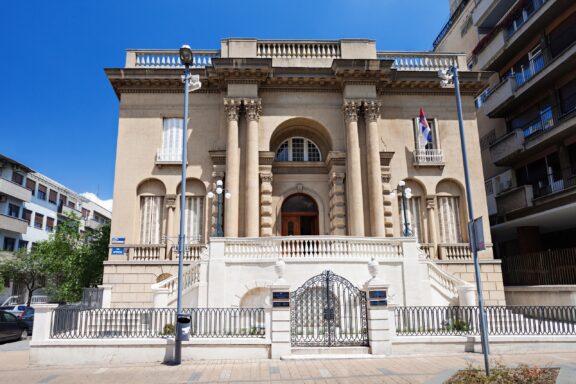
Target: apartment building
{"x":527,"y":127}
{"x":32,"y":205}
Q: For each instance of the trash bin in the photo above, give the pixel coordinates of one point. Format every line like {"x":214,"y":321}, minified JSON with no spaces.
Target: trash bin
{"x":183,"y":327}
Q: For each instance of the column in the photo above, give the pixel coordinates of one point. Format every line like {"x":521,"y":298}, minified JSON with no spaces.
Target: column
{"x":371,"y":114}
{"x":253,"y":109}
{"x":231,"y":108}
{"x":430,"y":205}
{"x":353,"y":170}
{"x":266,"y":221}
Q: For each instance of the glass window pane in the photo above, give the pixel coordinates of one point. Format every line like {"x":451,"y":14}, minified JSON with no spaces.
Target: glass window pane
{"x":313,"y":152}
{"x":297,"y":149}
{"x":282,"y":153}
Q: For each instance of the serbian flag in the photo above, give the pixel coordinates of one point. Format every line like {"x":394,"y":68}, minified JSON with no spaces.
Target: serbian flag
{"x":425,"y":136}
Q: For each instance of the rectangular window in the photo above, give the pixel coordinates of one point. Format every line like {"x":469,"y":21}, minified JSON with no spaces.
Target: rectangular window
{"x":13,"y":210}
{"x":432,"y":141}
{"x":53,"y":196}
{"x":17,"y":178}
{"x":22,"y":244}
{"x":42,"y":190}
{"x":85,"y":213}
{"x":27,"y":215}
{"x":31,"y":185}
{"x":150,"y":219}
{"x":171,"y":149}
{"x":49,"y":224}
{"x":449,"y":217}
{"x":62,"y":200}
{"x":38,"y":220}
{"x":72,"y":204}
{"x":9,"y":244}
{"x":194,"y":218}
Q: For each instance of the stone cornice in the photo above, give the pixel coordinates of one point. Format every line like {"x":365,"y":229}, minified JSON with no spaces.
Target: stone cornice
{"x":266,"y":157}
{"x":298,"y":167}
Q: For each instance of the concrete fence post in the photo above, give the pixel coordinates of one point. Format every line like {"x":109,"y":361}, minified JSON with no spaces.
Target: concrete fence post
{"x":160,"y":297}
{"x":42,"y":322}
{"x":106,"y":295}
{"x":280,"y":323}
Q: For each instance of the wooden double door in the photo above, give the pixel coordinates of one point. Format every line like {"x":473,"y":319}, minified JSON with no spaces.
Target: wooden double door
{"x":299,"y":216}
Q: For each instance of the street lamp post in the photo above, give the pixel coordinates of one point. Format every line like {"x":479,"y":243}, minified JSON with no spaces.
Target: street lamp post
{"x":449,"y":79}
{"x":191,"y":83}
{"x":406,"y":194}
{"x":218,"y":231}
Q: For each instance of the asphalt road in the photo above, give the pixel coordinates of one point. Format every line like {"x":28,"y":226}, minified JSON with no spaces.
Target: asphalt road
{"x":22,"y":345}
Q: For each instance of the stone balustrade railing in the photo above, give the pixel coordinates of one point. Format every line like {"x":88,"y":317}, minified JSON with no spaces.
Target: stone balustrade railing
{"x":159,"y":252}
{"x":445,"y":281}
{"x":298,"y":49}
{"x":168,"y":58}
{"x":423,"y":61}
{"x":190,"y":276}
{"x":428,"y":157}
{"x":313,"y":247}
{"x":454,"y":252}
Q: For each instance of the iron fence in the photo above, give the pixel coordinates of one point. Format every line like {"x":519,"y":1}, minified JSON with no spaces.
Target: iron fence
{"x":84,"y":323}
{"x":92,"y":297}
{"x":551,"y":267}
{"x":502,"y":320}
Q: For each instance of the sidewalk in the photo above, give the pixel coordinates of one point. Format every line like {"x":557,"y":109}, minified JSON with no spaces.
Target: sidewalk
{"x":406,"y":369}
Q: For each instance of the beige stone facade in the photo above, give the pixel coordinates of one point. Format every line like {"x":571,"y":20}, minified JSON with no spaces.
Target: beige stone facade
{"x":309,"y":139}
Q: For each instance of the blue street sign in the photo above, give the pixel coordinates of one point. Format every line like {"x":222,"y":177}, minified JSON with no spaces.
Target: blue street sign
{"x":117,"y":251}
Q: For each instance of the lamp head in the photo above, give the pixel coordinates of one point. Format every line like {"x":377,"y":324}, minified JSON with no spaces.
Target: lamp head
{"x":219,"y":183}
{"x":401,"y":183}
{"x":227,"y":195}
{"x":186,"y":54}
{"x":219,"y":190}
{"x":393,"y":194}
{"x":194,"y":83}
{"x":445,"y":74}
{"x":210,"y":194}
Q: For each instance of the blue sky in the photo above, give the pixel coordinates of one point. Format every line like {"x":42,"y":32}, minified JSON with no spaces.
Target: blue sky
{"x":58,"y":113}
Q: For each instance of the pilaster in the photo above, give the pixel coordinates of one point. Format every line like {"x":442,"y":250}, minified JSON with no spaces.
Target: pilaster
{"x":336,"y":162}
{"x":385,"y":159}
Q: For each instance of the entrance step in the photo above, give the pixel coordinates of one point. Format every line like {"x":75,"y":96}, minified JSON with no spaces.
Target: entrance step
{"x":315,"y":353}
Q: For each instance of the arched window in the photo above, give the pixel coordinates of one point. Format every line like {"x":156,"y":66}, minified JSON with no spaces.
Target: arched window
{"x":298,"y":149}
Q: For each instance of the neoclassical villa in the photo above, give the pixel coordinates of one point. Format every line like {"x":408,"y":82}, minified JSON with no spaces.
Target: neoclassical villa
{"x":301,"y":150}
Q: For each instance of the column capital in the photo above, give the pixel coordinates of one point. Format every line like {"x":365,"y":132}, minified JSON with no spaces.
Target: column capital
{"x":350,"y":109}
{"x":371,"y":110}
{"x":171,"y":201}
{"x":253,"y":108}
{"x":386,"y":178}
{"x":337,"y":178}
{"x":232,"y":108}
{"x":266,"y":177}
{"x":430,"y":202}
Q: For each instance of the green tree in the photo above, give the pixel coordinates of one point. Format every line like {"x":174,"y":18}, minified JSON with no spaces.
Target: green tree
{"x":26,"y":267}
{"x":64,"y":264}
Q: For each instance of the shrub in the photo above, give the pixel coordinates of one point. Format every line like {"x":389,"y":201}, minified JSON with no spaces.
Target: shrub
{"x":169,"y":330}
{"x":500,"y":374}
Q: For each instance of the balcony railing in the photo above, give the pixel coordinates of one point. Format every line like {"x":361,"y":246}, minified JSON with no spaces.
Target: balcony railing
{"x":454,"y":252}
{"x":15,"y":190}
{"x":453,"y":17}
{"x":158,"y":252}
{"x":549,"y":185}
{"x":13,"y":224}
{"x":320,"y":247}
{"x":298,"y":49}
{"x":169,"y":155}
{"x":535,"y":65}
{"x":168,"y":58}
{"x":428,"y":157}
{"x":428,"y":61}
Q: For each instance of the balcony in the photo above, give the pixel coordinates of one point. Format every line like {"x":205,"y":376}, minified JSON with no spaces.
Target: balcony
{"x":169,"y":156}
{"x":428,"y":157}
{"x":507,"y":146}
{"x":514,"y":199}
{"x":168,"y":58}
{"x":497,"y":97}
{"x":489,"y":12}
{"x":13,"y":224}
{"x":553,"y":125}
{"x":65,"y":210}
{"x":156,"y":252}
{"x":511,"y":35}
{"x":92,"y":224}
{"x":14,"y":190}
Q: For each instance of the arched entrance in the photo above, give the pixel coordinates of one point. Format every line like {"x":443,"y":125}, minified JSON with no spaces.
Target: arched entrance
{"x":299,"y":216}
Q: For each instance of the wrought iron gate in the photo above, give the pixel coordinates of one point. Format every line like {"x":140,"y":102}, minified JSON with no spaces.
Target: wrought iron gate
{"x":328,"y":311}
